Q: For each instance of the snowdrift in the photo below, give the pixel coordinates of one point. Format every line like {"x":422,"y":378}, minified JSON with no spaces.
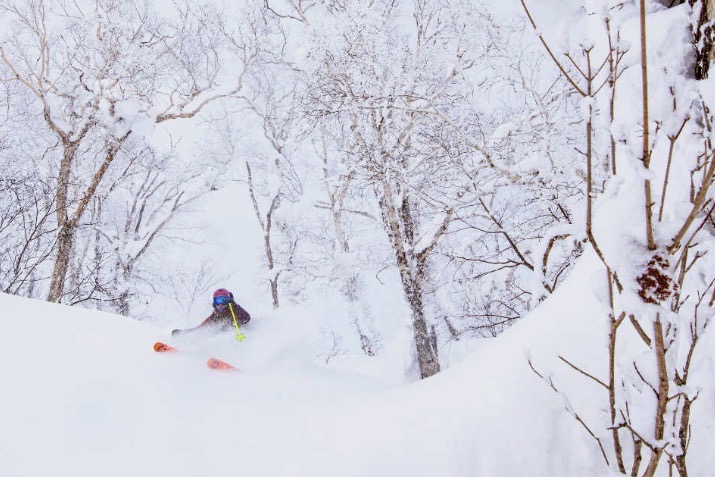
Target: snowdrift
{"x":83,"y":393}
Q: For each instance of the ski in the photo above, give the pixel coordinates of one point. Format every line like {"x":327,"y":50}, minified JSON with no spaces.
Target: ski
{"x":212,"y":363}
{"x":160,"y":347}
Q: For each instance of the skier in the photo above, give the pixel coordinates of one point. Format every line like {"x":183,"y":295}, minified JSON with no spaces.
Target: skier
{"x":226,"y":314}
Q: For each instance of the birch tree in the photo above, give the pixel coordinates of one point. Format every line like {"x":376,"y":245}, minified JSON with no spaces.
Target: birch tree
{"x":388,"y":103}
{"x":102,"y":73}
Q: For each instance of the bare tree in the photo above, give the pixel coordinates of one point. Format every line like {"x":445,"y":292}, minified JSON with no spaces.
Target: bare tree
{"x":275,"y":103}
{"x":26,"y":233}
{"x":655,"y":321}
{"x":337,"y":180}
{"x":387,"y":118}
{"x":266,"y":221}
{"x":101,"y":80}
{"x":418,"y":149}
{"x":155,"y":199}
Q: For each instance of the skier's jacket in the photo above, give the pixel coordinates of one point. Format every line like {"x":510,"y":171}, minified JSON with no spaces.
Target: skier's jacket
{"x":225,"y":318}
{"x":221,"y":319}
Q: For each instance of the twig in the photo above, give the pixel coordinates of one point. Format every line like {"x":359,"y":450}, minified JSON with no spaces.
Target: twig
{"x":639,"y":329}
{"x":583,"y":372}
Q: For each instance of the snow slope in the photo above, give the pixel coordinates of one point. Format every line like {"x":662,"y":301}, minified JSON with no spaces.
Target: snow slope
{"x":83,"y":394}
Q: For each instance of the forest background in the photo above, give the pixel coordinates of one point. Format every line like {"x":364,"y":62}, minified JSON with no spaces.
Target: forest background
{"x":418,"y":175}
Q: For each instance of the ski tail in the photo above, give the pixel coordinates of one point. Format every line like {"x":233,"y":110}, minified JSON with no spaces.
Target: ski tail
{"x":160,"y":347}
{"x":214,"y":363}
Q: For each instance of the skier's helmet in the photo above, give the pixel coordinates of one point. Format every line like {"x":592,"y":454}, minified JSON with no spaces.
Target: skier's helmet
{"x":222,"y":297}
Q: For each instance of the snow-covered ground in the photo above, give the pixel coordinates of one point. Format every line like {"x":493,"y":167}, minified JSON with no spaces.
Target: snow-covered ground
{"x":84,"y":394}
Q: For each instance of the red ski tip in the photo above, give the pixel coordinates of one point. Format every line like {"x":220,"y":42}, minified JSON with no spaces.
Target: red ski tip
{"x":160,"y":347}
{"x":214,"y":363}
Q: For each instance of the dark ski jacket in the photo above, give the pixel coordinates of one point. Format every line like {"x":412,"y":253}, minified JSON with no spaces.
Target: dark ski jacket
{"x":223,"y":320}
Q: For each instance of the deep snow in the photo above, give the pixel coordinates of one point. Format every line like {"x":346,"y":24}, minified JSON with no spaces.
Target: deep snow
{"x":84,"y":393}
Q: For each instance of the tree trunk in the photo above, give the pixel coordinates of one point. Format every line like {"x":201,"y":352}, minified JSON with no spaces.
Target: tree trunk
{"x":683,"y":434}
{"x":274,"y":292}
{"x":400,"y":229}
{"x":65,"y":227}
{"x":703,"y":39}
{"x":612,"y":391}
{"x":65,"y":241}
{"x":426,"y":352}
{"x":662,"y":403}
{"x":427,"y":358}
